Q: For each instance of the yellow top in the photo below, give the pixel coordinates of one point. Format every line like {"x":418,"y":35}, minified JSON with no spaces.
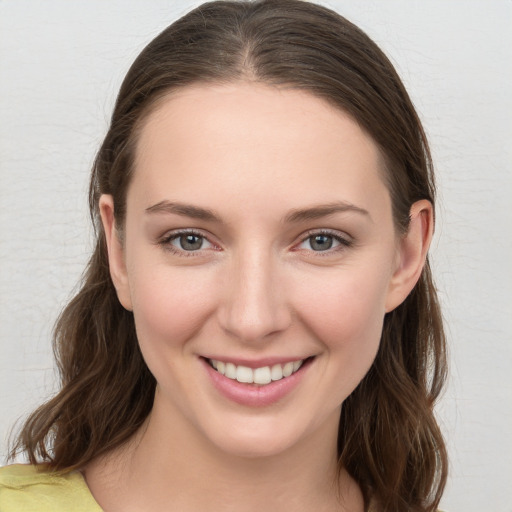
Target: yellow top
{"x":26,"y":488}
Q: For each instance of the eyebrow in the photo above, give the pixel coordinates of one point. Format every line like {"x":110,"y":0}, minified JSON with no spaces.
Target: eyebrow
{"x":186,"y":210}
{"x":293,"y":217}
{"x":323,"y":210}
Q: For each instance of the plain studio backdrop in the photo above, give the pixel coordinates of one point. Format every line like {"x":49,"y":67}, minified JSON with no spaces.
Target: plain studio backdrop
{"x":61,"y":64}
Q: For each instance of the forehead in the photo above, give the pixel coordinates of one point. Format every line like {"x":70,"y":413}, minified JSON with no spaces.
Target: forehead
{"x":258,"y":141}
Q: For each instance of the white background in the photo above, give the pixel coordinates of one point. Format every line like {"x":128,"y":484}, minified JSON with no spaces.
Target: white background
{"x":61,"y":63}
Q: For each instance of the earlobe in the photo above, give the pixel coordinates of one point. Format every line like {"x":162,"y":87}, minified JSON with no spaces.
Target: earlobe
{"x":115,"y":249}
{"x":412,"y":253}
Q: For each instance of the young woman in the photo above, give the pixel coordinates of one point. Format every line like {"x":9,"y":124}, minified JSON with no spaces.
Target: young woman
{"x":258,"y":325}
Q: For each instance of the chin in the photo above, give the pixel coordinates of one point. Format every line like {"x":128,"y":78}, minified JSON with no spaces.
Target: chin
{"x":270,"y":435}
{"x":254,"y":446}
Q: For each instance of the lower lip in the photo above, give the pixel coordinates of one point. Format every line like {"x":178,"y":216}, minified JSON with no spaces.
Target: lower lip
{"x":253,"y":395}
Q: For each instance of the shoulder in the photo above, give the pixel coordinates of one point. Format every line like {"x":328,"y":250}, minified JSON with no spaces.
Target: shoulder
{"x":27,"y":488}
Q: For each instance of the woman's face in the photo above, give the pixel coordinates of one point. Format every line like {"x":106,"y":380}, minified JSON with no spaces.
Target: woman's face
{"x":259,"y":240}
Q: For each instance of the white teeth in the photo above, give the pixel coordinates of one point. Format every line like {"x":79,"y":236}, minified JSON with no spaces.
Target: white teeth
{"x":287,"y":369}
{"x":260,"y":376}
{"x":230,"y":372}
{"x":277,"y":372}
{"x":244,"y":374}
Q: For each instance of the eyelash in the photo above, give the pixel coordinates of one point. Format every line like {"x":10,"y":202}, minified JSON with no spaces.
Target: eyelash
{"x":165,"y":242}
{"x":167,"y":239}
{"x":344,"y":243}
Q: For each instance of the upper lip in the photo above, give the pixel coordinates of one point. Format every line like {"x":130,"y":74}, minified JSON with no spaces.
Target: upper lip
{"x":257,"y":363}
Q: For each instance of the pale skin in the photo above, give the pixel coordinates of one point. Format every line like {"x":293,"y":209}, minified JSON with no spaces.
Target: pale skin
{"x":254,"y":281}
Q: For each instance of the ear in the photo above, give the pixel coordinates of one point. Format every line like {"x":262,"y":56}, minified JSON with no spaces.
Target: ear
{"x":412,"y":253}
{"x":116,"y":259}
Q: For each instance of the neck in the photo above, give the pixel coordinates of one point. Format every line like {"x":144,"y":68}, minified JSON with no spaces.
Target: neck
{"x":169,"y":465}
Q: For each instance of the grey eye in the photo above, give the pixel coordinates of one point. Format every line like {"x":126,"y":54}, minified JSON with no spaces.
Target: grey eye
{"x":188,"y":242}
{"x":324,"y":242}
{"x":321,"y":242}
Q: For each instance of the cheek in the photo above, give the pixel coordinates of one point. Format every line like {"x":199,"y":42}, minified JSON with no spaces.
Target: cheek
{"x":346,"y":313}
{"x":346,"y":317}
{"x":170,"y":304}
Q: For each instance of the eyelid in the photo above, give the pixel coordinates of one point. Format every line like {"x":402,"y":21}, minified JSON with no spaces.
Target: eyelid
{"x":343,"y":239}
{"x":165,"y":241}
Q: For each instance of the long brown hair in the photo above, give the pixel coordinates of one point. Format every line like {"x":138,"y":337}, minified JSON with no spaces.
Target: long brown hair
{"x":388,"y":440}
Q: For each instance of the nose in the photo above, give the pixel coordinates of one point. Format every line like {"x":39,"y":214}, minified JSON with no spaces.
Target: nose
{"x":254,"y":304}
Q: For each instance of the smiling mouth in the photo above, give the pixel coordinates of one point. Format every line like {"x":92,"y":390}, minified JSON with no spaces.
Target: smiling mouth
{"x":259,"y":376}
